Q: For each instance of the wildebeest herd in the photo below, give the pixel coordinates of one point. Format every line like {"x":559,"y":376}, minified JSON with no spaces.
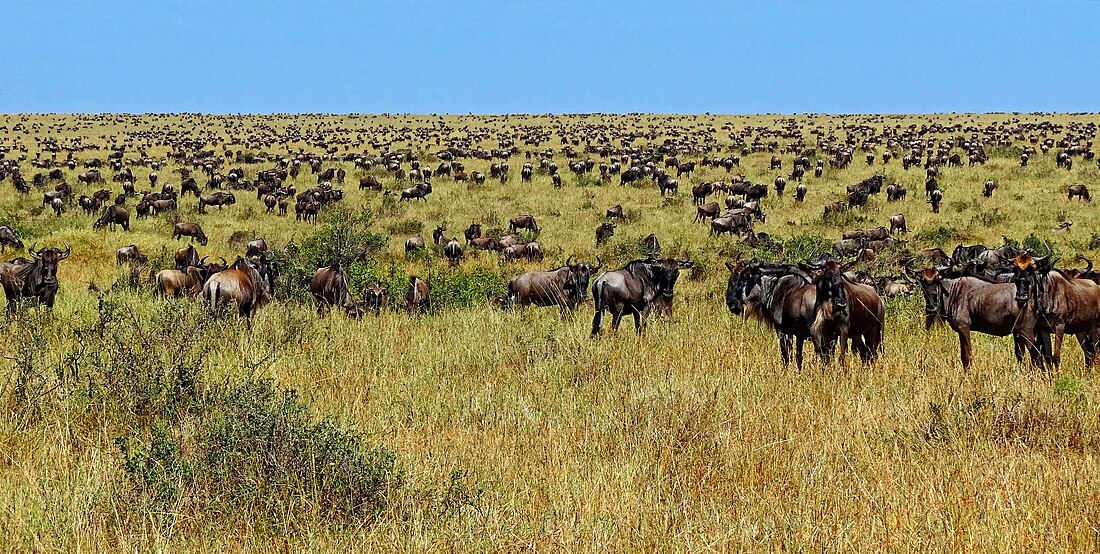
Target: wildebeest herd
{"x":1003,"y":291}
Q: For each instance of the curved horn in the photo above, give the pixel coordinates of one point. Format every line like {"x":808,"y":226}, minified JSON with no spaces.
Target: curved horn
{"x":569,"y":260}
{"x":599,"y":263}
{"x":33,"y":250}
{"x":1087,"y":261}
{"x":64,"y":255}
{"x":203,"y":260}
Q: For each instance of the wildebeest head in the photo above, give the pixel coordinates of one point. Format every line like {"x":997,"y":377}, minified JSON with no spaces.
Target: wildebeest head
{"x":830,"y":286}
{"x":1026,"y":275}
{"x":48,"y":258}
{"x":581,"y":274}
{"x":935,"y":294}
{"x":663,"y":273}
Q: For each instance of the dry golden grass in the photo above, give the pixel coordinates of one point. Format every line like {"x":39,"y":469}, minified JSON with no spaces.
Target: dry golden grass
{"x":517,"y":432}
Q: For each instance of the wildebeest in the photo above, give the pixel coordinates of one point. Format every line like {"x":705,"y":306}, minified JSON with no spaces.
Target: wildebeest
{"x":651,"y":244}
{"x":417,"y":296}
{"x":89,"y":204}
{"x":370,"y":182}
{"x":127,"y":254}
{"x":800,"y":192}
{"x":255,"y":247}
{"x":472,"y":232}
{"x":780,"y":186}
{"x":634,"y":289}
{"x":524,"y":221}
{"x":374,"y":299}
{"x":1063,"y":305}
{"x":705,"y":211}
{"x":846,"y":310}
{"x":897,"y":223}
{"x":420,"y":191}
{"x":700,"y":192}
{"x":186,"y":257}
{"x":564,"y":287}
{"x":781,"y":297}
{"x":174,"y":283}
{"x":113,"y":215}
{"x":413,"y":243}
{"x":9,"y":238}
{"x":453,"y":251}
{"x":972,"y":304}
{"x":1080,"y":191}
{"x":192,"y":230}
{"x":218,"y":199}
{"x":935,"y":199}
{"x":33,"y":280}
{"x":615,"y":212}
{"x":895,"y":192}
{"x":329,"y":287}
{"x":604,"y":232}
{"x":990,"y":186}
{"x":248,"y":283}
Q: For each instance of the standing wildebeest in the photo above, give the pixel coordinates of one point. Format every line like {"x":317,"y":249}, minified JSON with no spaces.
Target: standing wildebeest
{"x":700,"y":192}
{"x":615,"y":212}
{"x":845,"y":310}
{"x":972,"y":304}
{"x":1063,"y":305}
{"x":472,"y":232}
{"x":370,"y":182}
{"x":255,"y":247}
{"x":651,"y":244}
{"x":113,"y":215}
{"x":417,"y":296}
{"x":414,"y":243}
{"x":525,"y":221}
{"x":329,"y":287}
{"x":374,"y":299}
{"x":36,"y":281}
{"x":420,"y":191}
{"x":990,"y":186}
{"x":935,"y":200}
{"x":9,"y":238}
{"x":897,"y":222}
{"x":564,"y":287}
{"x":248,"y":283}
{"x":1080,"y":191}
{"x":705,"y":211}
{"x":776,"y":163}
{"x":895,"y":192}
{"x":218,"y":199}
{"x":604,"y":232}
{"x":189,"y":230}
{"x":800,"y":192}
{"x":780,"y":186}
{"x":186,"y":257}
{"x":88,"y":204}
{"x":634,"y":289}
{"x":453,"y":251}
{"x":174,"y":283}
{"x":128,"y":254}
{"x":780,"y":297}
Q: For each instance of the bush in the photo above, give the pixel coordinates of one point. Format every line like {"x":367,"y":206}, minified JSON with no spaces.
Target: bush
{"x":343,"y":238}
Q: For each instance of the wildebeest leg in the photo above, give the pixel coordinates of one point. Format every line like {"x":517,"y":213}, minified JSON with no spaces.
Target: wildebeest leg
{"x":616,"y":318}
{"x":1056,"y":347}
{"x":785,"y":347}
{"x":842,"y":338}
{"x":597,"y":321}
{"x":965,"y":353}
{"x":799,"y":344}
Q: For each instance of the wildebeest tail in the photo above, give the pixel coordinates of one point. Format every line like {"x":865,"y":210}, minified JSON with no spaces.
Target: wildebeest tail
{"x":597,"y":300}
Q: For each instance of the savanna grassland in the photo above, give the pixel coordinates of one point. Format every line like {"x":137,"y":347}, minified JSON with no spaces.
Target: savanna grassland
{"x":135,"y":423}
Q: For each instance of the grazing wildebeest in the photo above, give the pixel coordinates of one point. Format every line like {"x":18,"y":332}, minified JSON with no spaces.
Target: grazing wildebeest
{"x":776,"y":163}
{"x":255,"y":247}
{"x":453,"y":251}
{"x":800,"y":192}
{"x":935,"y":200}
{"x":329,"y":287}
{"x":33,"y":280}
{"x":189,"y":230}
{"x":113,"y":215}
{"x":417,"y":296}
{"x":651,"y":244}
{"x":174,"y":283}
{"x":1080,"y":191}
{"x":990,"y":186}
{"x":524,"y":221}
{"x":218,"y":199}
{"x":88,"y":204}
{"x":705,"y":211}
{"x":564,"y":287}
{"x":9,"y":238}
{"x":972,"y":304}
{"x":780,"y":186}
{"x":420,"y":191}
{"x":845,"y":310}
{"x":895,"y":192}
{"x":370,"y":182}
{"x":634,"y":289}
{"x":780,"y":297}
{"x":604,"y":232}
{"x":897,"y":222}
{"x":413,"y":243}
{"x":128,"y":254}
{"x":700,"y":192}
{"x":248,"y":283}
{"x":615,"y":212}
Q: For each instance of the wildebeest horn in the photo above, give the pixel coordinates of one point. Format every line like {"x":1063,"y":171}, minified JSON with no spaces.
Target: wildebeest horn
{"x":569,"y":260}
{"x":224,"y":262}
{"x":66,"y":253}
{"x":599,"y":263}
{"x":32,"y":250}
{"x":1087,"y":261}
{"x":203,"y":260}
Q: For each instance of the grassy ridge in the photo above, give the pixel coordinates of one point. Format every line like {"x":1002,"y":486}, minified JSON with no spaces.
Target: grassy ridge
{"x":513,"y":430}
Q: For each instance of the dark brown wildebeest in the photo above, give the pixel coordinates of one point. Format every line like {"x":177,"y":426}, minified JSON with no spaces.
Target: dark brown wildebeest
{"x":667,"y":185}
{"x":776,"y":163}
{"x":972,"y":304}
{"x":414,"y":243}
{"x":732,"y":222}
{"x":895,"y":192}
{"x":91,"y":176}
{"x":1063,"y":305}
{"x":990,"y":186}
{"x":453,"y":251}
{"x":270,"y":201}
{"x":58,"y":206}
{"x":35,"y":280}
{"x":113,"y":215}
{"x":186,"y":257}
{"x":702,"y":213}
{"x":329,"y":287}
{"x":163,"y":205}
{"x":526,"y":173}
{"x":89,"y":204}
{"x":651,"y":244}
{"x":564,"y":287}
{"x":780,"y":186}
{"x":780,"y":297}
{"x":128,"y":254}
{"x":420,"y":191}
{"x":524,"y":221}
{"x":173,"y":283}
{"x":479,"y":178}
{"x":255,"y":247}
{"x":513,"y":252}
{"x":485,"y":243}
{"x":1080,"y":191}
{"x":935,"y":200}
{"x":683,"y":168}
{"x":472,"y":232}
{"x":218,"y":199}
{"x":615,"y":212}
{"x":700,"y":192}
{"x":556,"y":179}
{"x":9,"y":238}
{"x":845,"y":310}
{"x":897,"y":222}
{"x":604,"y":232}
{"x":189,"y":230}
{"x":634,"y":289}
{"x":800,"y":192}
{"x":248,"y":283}
{"x":370,"y":182}
{"x":417,"y":296}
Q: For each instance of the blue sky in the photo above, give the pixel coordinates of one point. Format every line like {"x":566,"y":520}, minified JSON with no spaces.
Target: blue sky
{"x":550,"y":56}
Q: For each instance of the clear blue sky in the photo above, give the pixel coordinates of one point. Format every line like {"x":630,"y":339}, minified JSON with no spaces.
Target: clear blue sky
{"x":550,"y":56}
